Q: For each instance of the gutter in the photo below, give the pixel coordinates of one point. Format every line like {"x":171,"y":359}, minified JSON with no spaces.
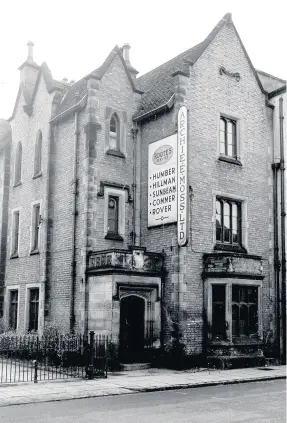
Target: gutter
{"x":158,"y":109}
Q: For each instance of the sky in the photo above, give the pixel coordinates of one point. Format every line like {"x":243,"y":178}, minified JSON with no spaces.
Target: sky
{"x":74,"y":38}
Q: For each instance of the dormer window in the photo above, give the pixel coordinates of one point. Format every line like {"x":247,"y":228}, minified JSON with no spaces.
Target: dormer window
{"x":114,"y":143}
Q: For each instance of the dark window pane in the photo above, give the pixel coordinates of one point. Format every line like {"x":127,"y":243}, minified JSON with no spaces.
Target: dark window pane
{"x":243,"y":320}
{"x":253,"y":295}
{"x":13,"y":310}
{"x":18,"y":163}
{"x":235,"y":293}
{"x":244,"y":311}
{"x":33,"y":309}
{"x":235,"y":320}
{"x":227,"y":222}
{"x":113,"y":214}
{"x":113,"y":125}
{"x":36,"y":226}
{"x":253,"y":320}
{"x":38,"y":154}
{"x":218,"y":221}
{"x":16,"y":233}
{"x":218,"y":311}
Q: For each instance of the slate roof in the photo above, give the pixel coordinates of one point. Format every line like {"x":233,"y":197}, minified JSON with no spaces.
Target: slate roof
{"x":72,"y":95}
{"x":270,"y":82}
{"x":158,"y":85}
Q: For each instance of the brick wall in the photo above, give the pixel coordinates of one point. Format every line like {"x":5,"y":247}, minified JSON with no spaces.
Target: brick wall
{"x":207,"y":95}
{"x":27,"y":269}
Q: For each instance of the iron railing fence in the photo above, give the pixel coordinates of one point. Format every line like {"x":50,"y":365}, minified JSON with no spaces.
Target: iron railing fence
{"x":30,"y":358}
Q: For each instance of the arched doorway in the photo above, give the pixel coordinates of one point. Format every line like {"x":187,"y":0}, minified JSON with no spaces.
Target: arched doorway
{"x":132,"y":319}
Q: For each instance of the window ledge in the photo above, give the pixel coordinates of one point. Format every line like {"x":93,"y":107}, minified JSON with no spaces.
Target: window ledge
{"x":115,"y":237}
{"x":14,"y":255}
{"x":38,"y":175}
{"x":17,"y":184}
{"x":230,"y":160}
{"x":230,"y":247}
{"x":116,"y":153}
{"x":35,"y":251}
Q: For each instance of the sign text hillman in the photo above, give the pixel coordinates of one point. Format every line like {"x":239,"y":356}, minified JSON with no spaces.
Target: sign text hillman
{"x":182,"y":202}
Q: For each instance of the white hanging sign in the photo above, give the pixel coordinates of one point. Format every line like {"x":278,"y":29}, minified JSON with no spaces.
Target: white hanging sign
{"x":162,"y":181}
{"x":182,"y":199}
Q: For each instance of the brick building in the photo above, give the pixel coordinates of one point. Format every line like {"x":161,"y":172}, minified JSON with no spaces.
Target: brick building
{"x":83,"y":215}
{"x":278,"y":99}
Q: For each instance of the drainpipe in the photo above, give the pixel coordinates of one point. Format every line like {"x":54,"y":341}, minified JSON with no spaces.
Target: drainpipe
{"x":275,"y":168}
{"x":74,"y":215}
{"x":47,"y":218}
{"x":134,"y":135}
{"x":283,"y":215}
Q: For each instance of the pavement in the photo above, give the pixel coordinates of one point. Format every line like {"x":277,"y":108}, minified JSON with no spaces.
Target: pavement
{"x":130,"y":382}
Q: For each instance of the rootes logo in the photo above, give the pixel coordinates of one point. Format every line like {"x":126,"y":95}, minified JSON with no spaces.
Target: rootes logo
{"x":162,"y":155}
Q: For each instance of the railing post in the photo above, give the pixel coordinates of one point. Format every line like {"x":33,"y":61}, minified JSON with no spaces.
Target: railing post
{"x":35,"y":362}
{"x":90,"y":371}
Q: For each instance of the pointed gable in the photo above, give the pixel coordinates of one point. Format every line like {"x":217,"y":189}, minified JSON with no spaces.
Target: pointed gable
{"x":50,"y":83}
{"x":158,"y":85}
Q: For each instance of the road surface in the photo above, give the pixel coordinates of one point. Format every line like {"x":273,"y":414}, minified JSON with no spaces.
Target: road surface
{"x":246,"y":402}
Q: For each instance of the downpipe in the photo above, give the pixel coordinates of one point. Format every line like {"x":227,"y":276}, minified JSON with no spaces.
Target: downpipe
{"x":74,"y":215}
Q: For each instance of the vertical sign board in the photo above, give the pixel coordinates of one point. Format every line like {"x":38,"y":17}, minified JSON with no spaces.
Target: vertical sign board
{"x":162,"y":181}
{"x":182,"y":203}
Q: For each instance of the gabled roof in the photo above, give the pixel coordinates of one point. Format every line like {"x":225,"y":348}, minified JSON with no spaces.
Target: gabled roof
{"x":78,"y":90}
{"x":158,"y":85}
{"x":50,"y":83}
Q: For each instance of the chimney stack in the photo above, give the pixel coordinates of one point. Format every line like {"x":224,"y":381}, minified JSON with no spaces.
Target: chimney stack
{"x":30,"y":45}
{"x":126,"y":53}
{"x":29,"y":70}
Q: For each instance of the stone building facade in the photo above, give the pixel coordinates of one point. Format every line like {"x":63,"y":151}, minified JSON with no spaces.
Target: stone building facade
{"x":76,"y":245}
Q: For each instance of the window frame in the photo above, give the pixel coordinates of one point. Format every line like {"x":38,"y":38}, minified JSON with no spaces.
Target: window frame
{"x":229,"y":283}
{"x":230,"y":202}
{"x":35,"y":249}
{"x":38,"y":155}
{"x":14,"y":253}
{"x":115,"y":199}
{"x":41,"y":305}
{"x":18,"y":163}
{"x":233,"y":122}
{"x":236,"y":157}
{"x":7,"y":301}
{"x":243,"y":246}
{"x":121,"y":195}
{"x":121,"y":135}
{"x":117,"y":136}
{"x":240,"y":304}
{"x":37,"y":302}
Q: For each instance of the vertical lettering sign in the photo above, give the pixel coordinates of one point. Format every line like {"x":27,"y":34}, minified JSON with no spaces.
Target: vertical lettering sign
{"x":182,"y":202}
{"x":162,"y":181}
